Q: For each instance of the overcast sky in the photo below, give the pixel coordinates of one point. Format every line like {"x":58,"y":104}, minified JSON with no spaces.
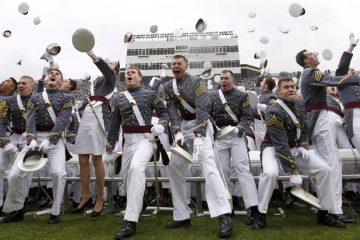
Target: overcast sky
{"x":110,"y":19}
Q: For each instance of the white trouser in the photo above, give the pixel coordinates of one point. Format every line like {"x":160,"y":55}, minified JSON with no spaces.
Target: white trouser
{"x":233,"y":149}
{"x":7,"y":161}
{"x":356,"y":129}
{"x":138,"y":151}
{"x":17,"y":179}
{"x":216,"y":195}
{"x":314,"y":166}
{"x":259,"y":130}
{"x":338,"y":131}
{"x":324,"y":146}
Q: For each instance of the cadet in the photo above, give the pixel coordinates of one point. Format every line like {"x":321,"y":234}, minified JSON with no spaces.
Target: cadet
{"x":313,"y":85}
{"x":287,"y":142}
{"x":231,"y":107}
{"x":189,"y":103}
{"x":133,"y":110}
{"x":47,"y":116}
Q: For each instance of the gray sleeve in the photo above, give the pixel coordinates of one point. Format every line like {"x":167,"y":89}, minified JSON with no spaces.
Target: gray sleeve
{"x":317,"y":78}
{"x":202,"y":107}
{"x":173,"y":111}
{"x":4,"y":120}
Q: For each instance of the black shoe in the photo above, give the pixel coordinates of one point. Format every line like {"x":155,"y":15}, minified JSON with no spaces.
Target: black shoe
{"x":14,"y":216}
{"x":225,"y":226}
{"x":344,"y":218}
{"x":324,"y":218}
{"x":95,"y":214}
{"x":179,"y":224}
{"x":255,"y":221}
{"x":81,"y":209}
{"x":127,"y":230}
{"x":53,"y":219}
{"x":262,"y":220}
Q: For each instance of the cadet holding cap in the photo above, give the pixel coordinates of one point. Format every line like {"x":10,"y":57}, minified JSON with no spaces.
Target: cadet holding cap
{"x":313,"y":85}
{"x":188,"y":95}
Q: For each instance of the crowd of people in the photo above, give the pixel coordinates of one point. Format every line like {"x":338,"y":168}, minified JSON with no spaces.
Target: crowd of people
{"x":297,"y":126}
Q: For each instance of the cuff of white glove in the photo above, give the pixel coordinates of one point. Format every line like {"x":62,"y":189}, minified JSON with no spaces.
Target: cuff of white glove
{"x":8,"y":147}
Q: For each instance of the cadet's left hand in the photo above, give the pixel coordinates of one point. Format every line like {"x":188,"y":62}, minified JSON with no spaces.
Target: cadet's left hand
{"x":158,"y":129}
{"x":296,"y":179}
{"x":305,"y":154}
{"x":44,"y":146}
{"x":163,"y":73}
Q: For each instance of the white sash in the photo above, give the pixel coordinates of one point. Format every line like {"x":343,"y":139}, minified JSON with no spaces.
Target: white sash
{"x":136,"y":110}
{"x":292,"y":116}
{"x":227,"y":108}
{"x":21,"y":107}
{"x":181,"y":99}
{"x":49,"y":108}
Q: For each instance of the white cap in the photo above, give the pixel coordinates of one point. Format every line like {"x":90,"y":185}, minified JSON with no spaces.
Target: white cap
{"x":251,"y":29}
{"x":83,"y":40}
{"x":200,"y":25}
{"x":127,"y":37}
{"x":207,"y":65}
{"x":264,"y":39}
{"x":23,"y":8}
{"x":252,"y":14}
{"x":36,"y":20}
{"x":296,"y":10}
{"x":217,"y":78}
{"x":284,"y":29}
{"x":153,"y":28}
{"x":327,"y":54}
{"x":260,"y":55}
{"x":314,"y":28}
{"x":7,"y":33}
{"x":241,"y":88}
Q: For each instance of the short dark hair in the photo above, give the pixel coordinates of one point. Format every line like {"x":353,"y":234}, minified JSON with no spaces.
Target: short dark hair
{"x":270,"y":82}
{"x":285,"y":79}
{"x":227,"y":71}
{"x":58,"y":70}
{"x":300,"y":58}
{"x":73,"y":84}
{"x":177,"y":56}
{"x":14,"y":83}
{"x":137,"y":69}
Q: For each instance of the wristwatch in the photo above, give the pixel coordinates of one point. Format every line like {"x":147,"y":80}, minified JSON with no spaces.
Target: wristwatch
{"x":199,"y":135}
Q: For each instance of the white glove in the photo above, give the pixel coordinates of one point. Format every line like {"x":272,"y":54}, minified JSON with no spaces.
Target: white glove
{"x":179,"y":137}
{"x":32,"y":144}
{"x":45,"y":71}
{"x":11,"y":150}
{"x":198,"y":146}
{"x":305,"y":154}
{"x":296,"y":180}
{"x":44,"y":145}
{"x":158,"y":129}
{"x":262,"y":107}
{"x":90,"y":53}
{"x":264,"y":72}
{"x":352,"y":39}
{"x":163,"y":73}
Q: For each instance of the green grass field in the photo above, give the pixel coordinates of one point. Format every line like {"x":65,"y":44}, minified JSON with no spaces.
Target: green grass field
{"x":299,"y":223}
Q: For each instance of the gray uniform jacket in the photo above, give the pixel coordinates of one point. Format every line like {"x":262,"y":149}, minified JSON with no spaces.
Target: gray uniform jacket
{"x":239,"y":104}
{"x":195,"y":92}
{"x":4,"y":109}
{"x":313,"y":85}
{"x":39,"y":118}
{"x":281,"y":132}
{"x":122,"y":111}
{"x":13,"y":116}
{"x":349,"y":95}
